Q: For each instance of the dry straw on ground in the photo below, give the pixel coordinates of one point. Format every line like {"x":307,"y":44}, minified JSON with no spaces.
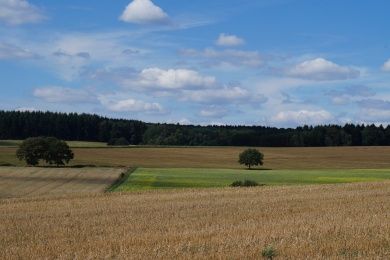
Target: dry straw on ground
{"x":27,"y":182}
{"x":302,"y":222}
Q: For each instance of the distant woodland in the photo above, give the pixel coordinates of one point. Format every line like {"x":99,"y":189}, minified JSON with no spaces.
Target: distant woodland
{"x":86,"y":127}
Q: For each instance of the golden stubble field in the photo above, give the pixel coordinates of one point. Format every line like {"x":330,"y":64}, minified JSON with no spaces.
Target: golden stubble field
{"x":29,"y":181}
{"x":226,"y":157}
{"x":348,"y":221}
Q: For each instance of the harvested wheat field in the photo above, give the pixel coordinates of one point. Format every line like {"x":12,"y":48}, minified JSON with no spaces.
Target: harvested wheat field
{"x":301,"y":222}
{"x":28,"y":182}
{"x":226,"y":157}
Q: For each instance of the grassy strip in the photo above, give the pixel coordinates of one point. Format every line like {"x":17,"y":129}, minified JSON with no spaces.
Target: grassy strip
{"x":124,"y":176}
{"x":166,"y":178}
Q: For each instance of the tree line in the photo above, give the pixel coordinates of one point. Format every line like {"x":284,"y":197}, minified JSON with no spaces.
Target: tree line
{"x":86,"y":127}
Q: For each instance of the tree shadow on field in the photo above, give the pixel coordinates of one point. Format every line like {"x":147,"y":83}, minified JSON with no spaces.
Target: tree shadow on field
{"x":258,"y":169}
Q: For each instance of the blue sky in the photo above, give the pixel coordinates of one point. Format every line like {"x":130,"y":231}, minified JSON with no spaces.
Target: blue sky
{"x":266,"y":62}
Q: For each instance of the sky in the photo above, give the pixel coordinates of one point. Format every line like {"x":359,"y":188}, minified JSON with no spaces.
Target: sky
{"x":280,"y":63}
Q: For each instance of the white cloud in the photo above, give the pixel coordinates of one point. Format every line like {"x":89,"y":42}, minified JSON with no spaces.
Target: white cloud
{"x":386,"y":66}
{"x":373,"y":111}
{"x":229,"y":40}
{"x":322,"y":70}
{"x":374,"y":103}
{"x":214,"y":112}
{"x":232,"y":58}
{"x":143,"y":12}
{"x":26,"y":109}
{"x":374,"y":116}
{"x":17,"y":12}
{"x":184,"y":121}
{"x":348,"y":94}
{"x":170,"y":79}
{"x":294,"y":118}
{"x":55,"y":94}
{"x":9,"y":51}
{"x":224,"y":95}
{"x":341,"y":100}
{"x":181,"y":121}
{"x":129,"y":105}
{"x":70,"y":54}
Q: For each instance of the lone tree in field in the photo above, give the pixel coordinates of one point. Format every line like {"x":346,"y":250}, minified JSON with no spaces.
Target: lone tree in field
{"x":251,"y":157}
{"x":58,"y":152}
{"x":49,"y":149}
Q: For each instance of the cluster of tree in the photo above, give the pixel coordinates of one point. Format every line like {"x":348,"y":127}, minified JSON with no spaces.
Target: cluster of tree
{"x":77,"y":127}
{"x":326,"y":135}
{"x":49,"y":149}
{"x":118,"y":142}
{"x":84,"y":127}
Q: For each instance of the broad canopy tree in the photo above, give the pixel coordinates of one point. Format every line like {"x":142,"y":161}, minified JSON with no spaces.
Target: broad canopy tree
{"x":49,"y":149}
{"x":251,"y":157}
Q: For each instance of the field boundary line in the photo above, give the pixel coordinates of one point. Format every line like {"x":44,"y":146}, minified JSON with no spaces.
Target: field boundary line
{"x":122,"y":179}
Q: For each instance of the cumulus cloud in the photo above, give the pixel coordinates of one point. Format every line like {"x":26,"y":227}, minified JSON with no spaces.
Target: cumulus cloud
{"x":232,"y":58}
{"x":301,"y":117}
{"x":386,"y":66}
{"x":56,"y":94}
{"x":143,"y":12}
{"x":183,"y":84}
{"x":229,"y":40}
{"x":322,"y":70}
{"x":9,"y":51}
{"x":170,"y":79}
{"x":129,"y":105}
{"x":15,"y":12}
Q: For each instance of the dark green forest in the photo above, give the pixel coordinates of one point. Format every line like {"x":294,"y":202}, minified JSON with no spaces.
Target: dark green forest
{"x":86,"y":127}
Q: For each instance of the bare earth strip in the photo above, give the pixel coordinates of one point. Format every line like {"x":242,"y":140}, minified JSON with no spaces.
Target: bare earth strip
{"x":345,"y":221}
{"x":28,"y":182}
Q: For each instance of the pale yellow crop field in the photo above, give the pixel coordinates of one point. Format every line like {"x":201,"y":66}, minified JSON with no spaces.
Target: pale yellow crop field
{"x":344,"y":221}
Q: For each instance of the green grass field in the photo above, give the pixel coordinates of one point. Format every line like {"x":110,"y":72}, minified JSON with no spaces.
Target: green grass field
{"x":163,"y":178}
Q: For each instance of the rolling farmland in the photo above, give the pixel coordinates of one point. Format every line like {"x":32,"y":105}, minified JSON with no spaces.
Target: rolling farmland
{"x":63,"y":212}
